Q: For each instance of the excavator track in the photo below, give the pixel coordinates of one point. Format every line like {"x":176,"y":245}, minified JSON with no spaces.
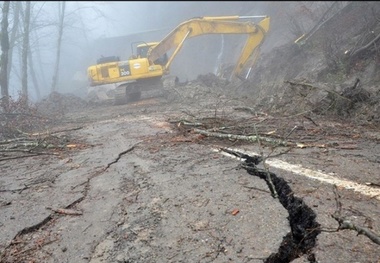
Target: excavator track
{"x":127,"y":92}
{"x":132,"y":91}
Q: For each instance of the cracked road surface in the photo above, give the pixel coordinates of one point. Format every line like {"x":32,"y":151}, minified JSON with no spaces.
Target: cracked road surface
{"x":146,"y":192}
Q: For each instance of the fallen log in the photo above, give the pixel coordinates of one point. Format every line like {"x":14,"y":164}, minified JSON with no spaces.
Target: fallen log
{"x":251,"y":138}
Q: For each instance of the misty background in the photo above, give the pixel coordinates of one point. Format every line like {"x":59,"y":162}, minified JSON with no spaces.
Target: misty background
{"x":107,"y":28}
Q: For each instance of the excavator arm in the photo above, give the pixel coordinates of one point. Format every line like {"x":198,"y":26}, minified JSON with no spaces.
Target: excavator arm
{"x":216,"y":25}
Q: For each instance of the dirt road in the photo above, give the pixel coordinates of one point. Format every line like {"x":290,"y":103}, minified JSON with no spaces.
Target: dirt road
{"x":136,"y":183}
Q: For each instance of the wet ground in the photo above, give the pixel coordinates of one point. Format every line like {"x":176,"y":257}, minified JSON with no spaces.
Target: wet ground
{"x":157,"y":181}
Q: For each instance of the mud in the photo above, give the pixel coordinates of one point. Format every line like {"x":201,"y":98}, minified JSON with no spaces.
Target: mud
{"x":147,"y":188}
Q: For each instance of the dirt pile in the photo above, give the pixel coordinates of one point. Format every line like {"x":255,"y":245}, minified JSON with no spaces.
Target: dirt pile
{"x":318,"y":75}
{"x":57,"y":104}
{"x":211,"y":80}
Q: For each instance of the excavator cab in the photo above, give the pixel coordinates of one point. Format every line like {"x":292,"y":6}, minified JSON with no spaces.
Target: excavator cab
{"x":144,"y":49}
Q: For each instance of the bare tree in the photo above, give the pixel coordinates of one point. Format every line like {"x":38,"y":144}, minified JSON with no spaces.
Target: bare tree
{"x":33,"y":74}
{"x":12,"y":41}
{"x":369,"y":35}
{"x":25,"y":51}
{"x":334,"y":9}
{"x":61,"y":16}
{"x":4,"y":56}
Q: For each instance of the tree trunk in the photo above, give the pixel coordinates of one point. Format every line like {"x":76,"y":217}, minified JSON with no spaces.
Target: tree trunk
{"x":39,"y":62}
{"x":25,"y":51}
{"x":13,"y":37}
{"x":4,"y":41}
{"x":33,"y":75}
{"x":61,"y":15}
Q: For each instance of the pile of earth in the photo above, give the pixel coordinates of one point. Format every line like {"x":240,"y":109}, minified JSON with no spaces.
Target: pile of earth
{"x":57,"y":104}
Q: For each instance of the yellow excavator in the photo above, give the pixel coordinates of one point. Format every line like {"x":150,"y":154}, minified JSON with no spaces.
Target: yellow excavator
{"x":123,"y":81}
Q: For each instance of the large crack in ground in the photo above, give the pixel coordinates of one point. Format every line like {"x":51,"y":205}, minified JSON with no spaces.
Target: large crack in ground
{"x":302,"y":220}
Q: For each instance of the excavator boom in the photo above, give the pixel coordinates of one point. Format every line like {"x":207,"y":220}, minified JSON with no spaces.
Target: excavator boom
{"x":215,"y":25}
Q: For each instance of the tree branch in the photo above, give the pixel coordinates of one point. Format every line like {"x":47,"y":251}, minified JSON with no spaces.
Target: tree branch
{"x":250,"y":138}
{"x":347,"y":224}
{"x":356,"y":52}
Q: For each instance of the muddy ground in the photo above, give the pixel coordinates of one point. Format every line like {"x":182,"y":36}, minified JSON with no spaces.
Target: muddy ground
{"x":151,"y":181}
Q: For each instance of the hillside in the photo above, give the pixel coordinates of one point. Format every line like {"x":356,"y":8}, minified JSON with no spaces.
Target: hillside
{"x":334,"y":71}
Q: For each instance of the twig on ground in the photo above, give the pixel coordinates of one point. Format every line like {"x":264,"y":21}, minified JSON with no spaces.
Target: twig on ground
{"x":347,"y":224}
{"x":269,"y":178}
{"x":64,"y":211}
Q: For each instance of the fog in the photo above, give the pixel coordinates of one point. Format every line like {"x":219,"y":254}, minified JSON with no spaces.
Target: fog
{"x":92,"y":29}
